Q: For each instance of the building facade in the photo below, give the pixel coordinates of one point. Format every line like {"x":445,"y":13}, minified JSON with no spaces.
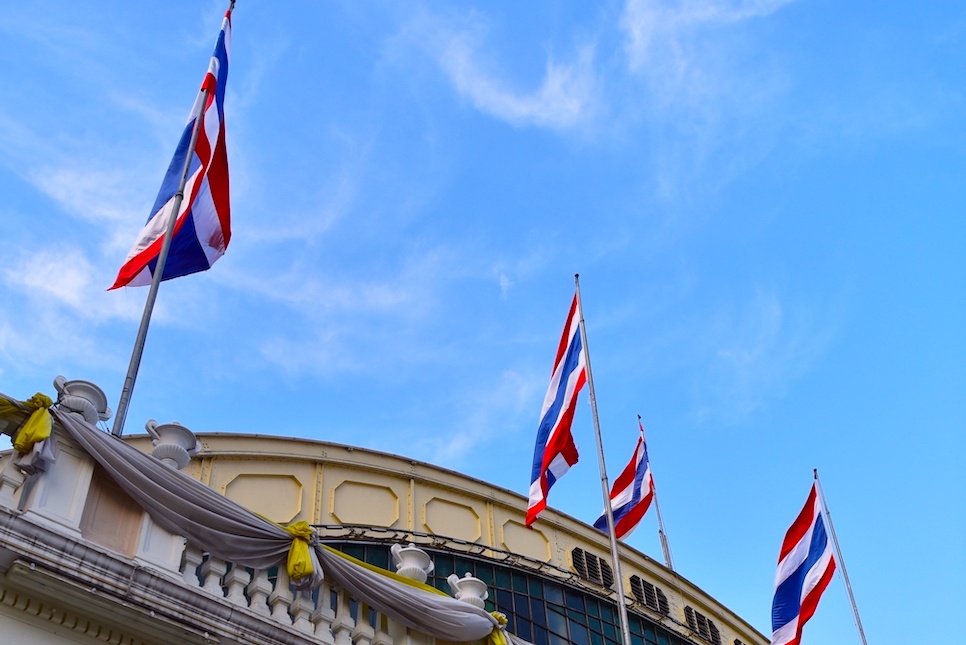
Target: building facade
{"x":81,"y":562}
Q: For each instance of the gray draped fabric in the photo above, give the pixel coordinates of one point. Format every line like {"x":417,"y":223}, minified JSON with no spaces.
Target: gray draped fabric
{"x":441,"y":616}
{"x":216,"y":524}
{"x":181,"y":504}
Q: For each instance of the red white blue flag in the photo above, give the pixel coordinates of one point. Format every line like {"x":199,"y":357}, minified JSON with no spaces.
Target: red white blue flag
{"x":555,"y":451}
{"x":805,"y":567}
{"x":632,"y":493}
{"x":202,"y":229}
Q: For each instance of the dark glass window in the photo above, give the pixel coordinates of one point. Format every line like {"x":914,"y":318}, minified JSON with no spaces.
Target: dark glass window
{"x":502,"y":577}
{"x":578,"y":634}
{"x":444,"y":566}
{"x":485,"y":573}
{"x":557,"y":622}
{"x":536,"y":588}
{"x":545,"y":612}
{"x":521,"y":605}
{"x":538,"y":612}
{"x":575,"y":599}
{"x":540,"y":636}
{"x":554,"y":593}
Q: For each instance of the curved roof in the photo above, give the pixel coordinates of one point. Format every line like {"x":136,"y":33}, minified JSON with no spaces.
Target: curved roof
{"x":387,"y":496}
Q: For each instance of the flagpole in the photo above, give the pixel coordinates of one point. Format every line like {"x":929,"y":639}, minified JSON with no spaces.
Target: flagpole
{"x":657,"y":508}
{"x":604,"y":484}
{"x":838,"y":553}
{"x":132,"y":370}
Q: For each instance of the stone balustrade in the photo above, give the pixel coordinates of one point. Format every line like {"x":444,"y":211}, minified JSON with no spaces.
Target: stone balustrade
{"x":328,"y":614}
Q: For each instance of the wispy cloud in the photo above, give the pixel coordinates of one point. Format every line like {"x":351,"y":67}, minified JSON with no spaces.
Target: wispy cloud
{"x":63,"y":275}
{"x":658,"y":31}
{"x":566,"y":96}
{"x":756,"y":350}
{"x":486,"y":415}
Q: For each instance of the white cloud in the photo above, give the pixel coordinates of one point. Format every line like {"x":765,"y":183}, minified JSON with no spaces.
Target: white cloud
{"x":757,"y":350}
{"x":657,"y":29}
{"x":485,"y":416}
{"x":565,"y":97}
{"x":64,"y":276}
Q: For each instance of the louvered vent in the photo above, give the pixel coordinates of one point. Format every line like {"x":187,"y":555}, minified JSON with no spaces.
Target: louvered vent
{"x":715,"y":634}
{"x":649,"y":595}
{"x":589,"y":567}
{"x":702,"y":626}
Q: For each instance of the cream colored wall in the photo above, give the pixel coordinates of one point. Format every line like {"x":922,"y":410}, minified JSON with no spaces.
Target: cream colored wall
{"x":288,"y":480}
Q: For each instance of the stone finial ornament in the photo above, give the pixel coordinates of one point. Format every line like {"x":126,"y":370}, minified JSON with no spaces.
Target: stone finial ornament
{"x":83,"y":398}
{"x":412,"y":562}
{"x":468,"y":589}
{"x":173,"y":443}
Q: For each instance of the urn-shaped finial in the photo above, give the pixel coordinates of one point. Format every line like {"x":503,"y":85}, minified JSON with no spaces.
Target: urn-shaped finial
{"x":173,"y":443}
{"x":412,"y":562}
{"x":83,"y":398}
{"x":468,"y":589}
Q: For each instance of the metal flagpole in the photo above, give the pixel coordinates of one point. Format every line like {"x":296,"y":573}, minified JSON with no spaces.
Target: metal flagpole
{"x":838,"y":553}
{"x":132,"y":370}
{"x":605,"y":486}
{"x":657,"y":508}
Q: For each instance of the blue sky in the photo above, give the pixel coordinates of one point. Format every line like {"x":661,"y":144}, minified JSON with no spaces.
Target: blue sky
{"x":763,"y":198}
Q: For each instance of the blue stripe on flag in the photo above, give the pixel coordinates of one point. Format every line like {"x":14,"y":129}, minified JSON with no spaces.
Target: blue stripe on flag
{"x":788,"y":596}
{"x":553,"y":412}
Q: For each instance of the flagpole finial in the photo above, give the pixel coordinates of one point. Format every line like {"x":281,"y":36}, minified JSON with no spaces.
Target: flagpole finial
{"x":815,"y":472}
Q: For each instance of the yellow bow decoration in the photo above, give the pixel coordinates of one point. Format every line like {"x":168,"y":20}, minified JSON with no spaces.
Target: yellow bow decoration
{"x":299,"y":562}
{"x":38,"y":426}
{"x":498,"y":635}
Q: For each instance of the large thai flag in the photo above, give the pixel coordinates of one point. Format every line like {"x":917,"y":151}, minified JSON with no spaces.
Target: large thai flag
{"x":202,"y":229}
{"x":555,"y":451}
{"x":805,"y":567}
{"x":632,"y":493}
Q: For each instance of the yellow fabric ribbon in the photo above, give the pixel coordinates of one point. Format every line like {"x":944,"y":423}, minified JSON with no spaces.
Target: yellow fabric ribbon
{"x":299,"y":562}
{"x":38,"y":426}
{"x":498,"y":635}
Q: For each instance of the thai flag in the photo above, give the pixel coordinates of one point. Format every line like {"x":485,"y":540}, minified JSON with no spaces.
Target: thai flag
{"x":203,"y":228}
{"x":632,"y":493}
{"x":805,"y":567}
{"x":555,"y":451}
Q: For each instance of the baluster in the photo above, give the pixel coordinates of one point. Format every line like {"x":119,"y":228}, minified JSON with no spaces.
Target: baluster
{"x":363,"y":632}
{"x":191,"y":559}
{"x":343,"y":623}
{"x":301,"y":610}
{"x":324,"y":614}
{"x":236,"y":580}
{"x":382,"y":636}
{"x":281,"y":597}
{"x":212,"y":571}
{"x":258,"y":591}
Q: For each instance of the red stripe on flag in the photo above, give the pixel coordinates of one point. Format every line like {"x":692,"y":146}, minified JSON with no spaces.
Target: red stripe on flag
{"x":800,"y":527}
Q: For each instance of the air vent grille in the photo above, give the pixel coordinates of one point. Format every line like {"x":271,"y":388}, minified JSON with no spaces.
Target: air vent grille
{"x":649,"y":595}
{"x":589,"y":567}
